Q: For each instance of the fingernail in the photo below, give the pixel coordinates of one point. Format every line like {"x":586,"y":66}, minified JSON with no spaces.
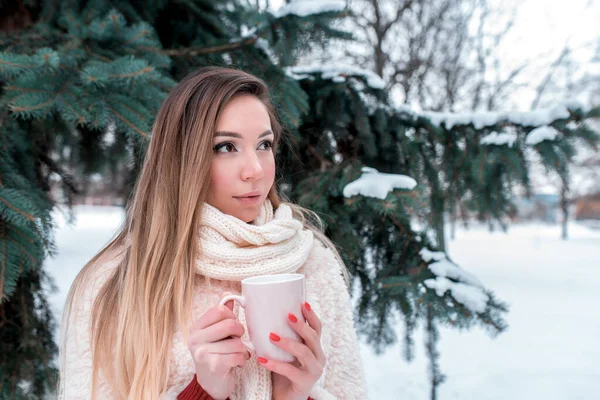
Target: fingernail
{"x":274,"y":337}
{"x":262,"y":360}
{"x":292,"y":317}
{"x":307,"y":306}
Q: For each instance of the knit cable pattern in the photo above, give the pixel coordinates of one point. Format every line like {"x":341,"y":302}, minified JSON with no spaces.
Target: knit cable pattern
{"x":231,"y":249}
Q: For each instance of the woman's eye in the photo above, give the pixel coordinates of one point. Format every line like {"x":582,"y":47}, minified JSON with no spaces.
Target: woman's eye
{"x":224,"y":148}
{"x":266,"y":145}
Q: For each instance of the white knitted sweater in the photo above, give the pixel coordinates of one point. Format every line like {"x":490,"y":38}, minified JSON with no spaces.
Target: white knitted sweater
{"x":233,"y":250}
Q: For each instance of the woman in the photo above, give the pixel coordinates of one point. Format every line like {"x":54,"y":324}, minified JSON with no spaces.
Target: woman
{"x":142,"y":319}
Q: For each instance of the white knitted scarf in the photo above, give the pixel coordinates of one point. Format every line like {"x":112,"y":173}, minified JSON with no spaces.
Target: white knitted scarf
{"x":233,"y":250}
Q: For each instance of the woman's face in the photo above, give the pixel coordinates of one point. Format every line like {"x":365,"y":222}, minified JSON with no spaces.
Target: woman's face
{"x":243,"y":165}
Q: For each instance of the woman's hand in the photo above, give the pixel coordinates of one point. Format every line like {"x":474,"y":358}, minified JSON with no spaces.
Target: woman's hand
{"x":216,"y":347}
{"x":295,"y":380}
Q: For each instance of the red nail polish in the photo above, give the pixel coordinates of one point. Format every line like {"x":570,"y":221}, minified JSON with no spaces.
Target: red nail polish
{"x":274,"y":337}
{"x":262,"y":360}
{"x":292,"y":317}
{"x":307,"y":306}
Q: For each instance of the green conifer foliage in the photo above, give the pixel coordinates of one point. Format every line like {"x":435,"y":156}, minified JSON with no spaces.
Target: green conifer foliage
{"x":69,"y":72}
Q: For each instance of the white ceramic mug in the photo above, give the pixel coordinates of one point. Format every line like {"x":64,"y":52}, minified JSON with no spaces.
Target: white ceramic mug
{"x":267,"y":301}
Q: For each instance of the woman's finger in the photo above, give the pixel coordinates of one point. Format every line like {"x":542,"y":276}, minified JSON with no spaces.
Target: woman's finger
{"x":221,"y":330}
{"x":211,"y":317}
{"x":311,"y":317}
{"x":291,"y":372}
{"x":302,"y":352}
{"x":227,"y":346}
{"x":309,"y":335}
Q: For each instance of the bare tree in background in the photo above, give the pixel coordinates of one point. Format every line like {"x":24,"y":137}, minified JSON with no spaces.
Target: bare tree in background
{"x":437,"y":54}
{"x":571,"y":75}
{"x":567,"y":77}
{"x":446,"y":55}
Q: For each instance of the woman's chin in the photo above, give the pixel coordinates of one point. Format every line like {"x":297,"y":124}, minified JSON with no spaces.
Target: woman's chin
{"x":245,"y":214}
{"x":247,"y":218}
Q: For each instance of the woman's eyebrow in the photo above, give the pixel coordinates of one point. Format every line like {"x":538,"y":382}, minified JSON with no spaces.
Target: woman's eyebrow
{"x":237,"y":135}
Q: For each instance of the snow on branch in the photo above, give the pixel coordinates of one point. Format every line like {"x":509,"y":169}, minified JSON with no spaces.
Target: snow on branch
{"x":337,"y":73}
{"x":499,"y":139}
{"x":304,"y":8}
{"x":471,"y":297}
{"x":540,"y":134}
{"x":376,"y":184}
{"x":542,"y":116}
{"x":479,"y":119}
{"x":464,"y":286}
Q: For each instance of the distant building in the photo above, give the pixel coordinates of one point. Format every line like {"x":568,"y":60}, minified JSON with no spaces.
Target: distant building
{"x":540,"y":206}
{"x":588,"y":207}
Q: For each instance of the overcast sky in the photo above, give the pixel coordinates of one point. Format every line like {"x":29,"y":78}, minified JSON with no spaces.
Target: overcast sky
{"x":542,"y":29}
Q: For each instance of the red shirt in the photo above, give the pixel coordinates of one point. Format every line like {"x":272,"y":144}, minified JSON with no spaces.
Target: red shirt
{"x":194,"y":391}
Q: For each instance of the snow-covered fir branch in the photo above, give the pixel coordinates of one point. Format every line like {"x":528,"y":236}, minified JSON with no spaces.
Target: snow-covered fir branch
{"x":337,"y":73}
{"x":542,"y":116}
{"x":463,"y":286}
{"x":373,"y":183}
{"x":479,"y":119}
{"x":303,"y":8}
{"x":499,"y":139}
{"x":540,"y":134}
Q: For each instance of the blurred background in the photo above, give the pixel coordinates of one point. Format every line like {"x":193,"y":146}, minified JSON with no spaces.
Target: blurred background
{"x":450,"y":146}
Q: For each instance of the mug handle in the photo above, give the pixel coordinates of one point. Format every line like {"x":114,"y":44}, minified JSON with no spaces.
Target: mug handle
{"x":242,"y":302}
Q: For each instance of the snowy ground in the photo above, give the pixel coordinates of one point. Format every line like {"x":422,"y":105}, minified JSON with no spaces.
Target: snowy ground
{"x":551,"y":350}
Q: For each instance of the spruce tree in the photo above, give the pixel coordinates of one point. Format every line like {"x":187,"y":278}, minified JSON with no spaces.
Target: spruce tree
{"x":71,"y":71}
{"x":354,"y":142}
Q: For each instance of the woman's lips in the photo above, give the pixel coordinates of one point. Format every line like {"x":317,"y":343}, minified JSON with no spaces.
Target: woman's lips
{"x":249,"y":199}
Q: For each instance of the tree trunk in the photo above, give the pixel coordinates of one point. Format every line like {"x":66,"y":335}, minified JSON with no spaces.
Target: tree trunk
{"x":453,"y":216}
{"x":431,"y":343}
{"x":564,"y":206}
{"x":437,"y":216}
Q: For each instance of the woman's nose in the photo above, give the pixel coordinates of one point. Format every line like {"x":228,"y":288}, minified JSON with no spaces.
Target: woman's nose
{"x":252,"y":169}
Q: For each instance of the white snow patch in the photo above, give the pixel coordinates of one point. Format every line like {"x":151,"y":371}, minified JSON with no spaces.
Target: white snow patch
{"x":471,"y":297}
{"x":428,"y":255}
{"x":447,"y":269}
{"x":296,"y":76}
{"x":304,"y":8}
{"x":540,"y":134}
{"x":376,"y":184}
{"x":499,"y":139}
{"x":468,"y":290}
{"x":263,"y":44}
{"x":370,"y":102}
{"x":539,"y":117}
{"x":543,"y":116}
{"x":247,"y":31}
{"x":478,"y":119}
{"x":109,"y":136}
{"x":572,"y":125}
{"x":338,"y":73}
{"x":529,"y":268}
{"x":574,"y":104}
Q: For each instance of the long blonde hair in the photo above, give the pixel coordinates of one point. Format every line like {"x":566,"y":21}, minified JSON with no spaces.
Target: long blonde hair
{"x":150,"y":291}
